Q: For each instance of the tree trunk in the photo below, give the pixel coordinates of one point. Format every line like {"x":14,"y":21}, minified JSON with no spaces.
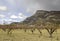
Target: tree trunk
{"x":8,"y":32}
{"x":32,"y":31}
{"x":50,"y":31}
{"x":25,"y":30}
{"x":40,"y":31}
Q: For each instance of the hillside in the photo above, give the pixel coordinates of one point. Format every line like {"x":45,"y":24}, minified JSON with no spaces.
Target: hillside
{"x":51,"y":16}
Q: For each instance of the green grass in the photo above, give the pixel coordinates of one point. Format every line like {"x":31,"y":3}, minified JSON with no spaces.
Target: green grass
{"x":20,"y":35}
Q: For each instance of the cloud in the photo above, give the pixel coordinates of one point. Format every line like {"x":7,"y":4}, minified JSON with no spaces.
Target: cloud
{"x":3,"y":8}
{"x":2,"y":16}
{"x":12,"y":2}
{"x":13,"y":16}
{"x":10,"y":20}
{"x":7,"y":21}
{"x":21,"y":16}
{"x":33,"y":7}
{"x":49,"y":4}
{"x":4,"y":19}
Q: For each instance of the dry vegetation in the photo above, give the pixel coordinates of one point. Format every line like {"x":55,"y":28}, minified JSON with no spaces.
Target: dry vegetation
{"x":20,"y":35}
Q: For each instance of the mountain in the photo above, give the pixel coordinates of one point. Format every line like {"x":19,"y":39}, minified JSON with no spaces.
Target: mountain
{"x":47,"y":16}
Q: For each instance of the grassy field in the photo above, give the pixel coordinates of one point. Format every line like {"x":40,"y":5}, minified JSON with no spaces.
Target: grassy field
{"x":20,"y":35}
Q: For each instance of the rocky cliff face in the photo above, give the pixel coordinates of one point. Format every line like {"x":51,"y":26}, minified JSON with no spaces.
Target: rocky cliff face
{"x":48,"y":16}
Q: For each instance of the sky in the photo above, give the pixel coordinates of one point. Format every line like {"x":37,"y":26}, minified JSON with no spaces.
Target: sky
{"x":18,"y":10}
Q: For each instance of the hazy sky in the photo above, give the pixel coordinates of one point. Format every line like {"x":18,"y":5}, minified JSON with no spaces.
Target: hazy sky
{"x":18,"y":10}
